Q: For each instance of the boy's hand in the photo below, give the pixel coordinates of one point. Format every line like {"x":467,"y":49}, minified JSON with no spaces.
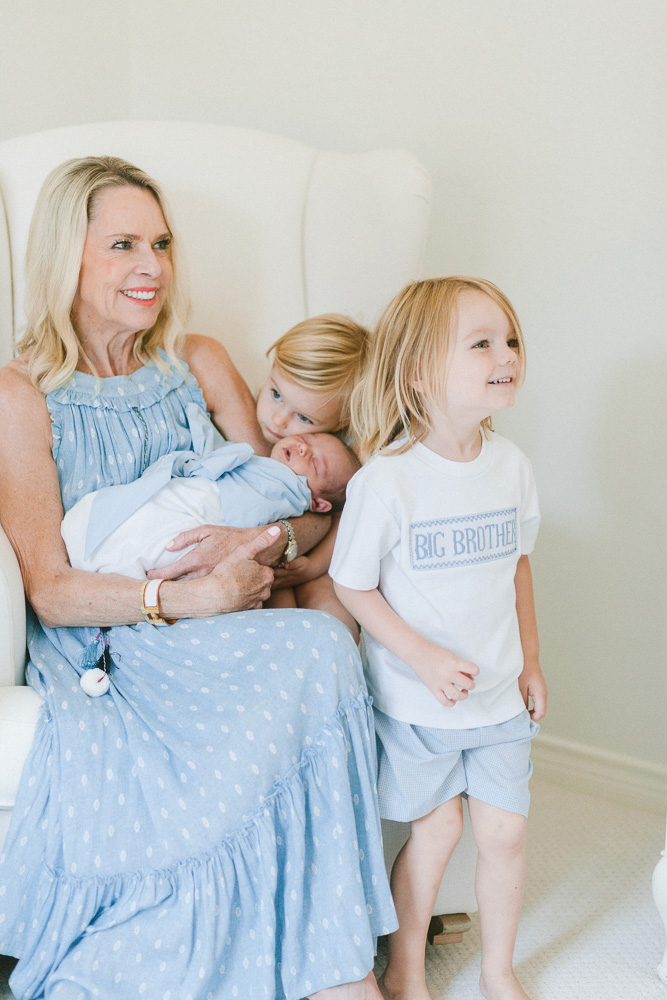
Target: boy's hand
{"x":533,"y":686}
{"x":448,"y":677}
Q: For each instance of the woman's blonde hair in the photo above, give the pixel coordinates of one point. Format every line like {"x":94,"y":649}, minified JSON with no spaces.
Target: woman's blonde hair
{"x":56,"y":240}
{"x":410,"y":347}
{"x":325,"y":353}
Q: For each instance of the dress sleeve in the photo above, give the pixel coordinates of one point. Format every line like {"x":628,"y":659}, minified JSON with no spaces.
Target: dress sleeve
{"x":366,"y":533}
{"x":530,"y":511}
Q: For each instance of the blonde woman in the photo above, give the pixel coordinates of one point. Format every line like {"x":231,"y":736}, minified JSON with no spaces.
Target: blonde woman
{"x":159,"y":840}
{"x":432,"y":560}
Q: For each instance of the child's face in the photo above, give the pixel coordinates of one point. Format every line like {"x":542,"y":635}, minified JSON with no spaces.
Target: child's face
{"x":483,"y":360}
{"x":283,"y":408}
{"x":322,"y":458}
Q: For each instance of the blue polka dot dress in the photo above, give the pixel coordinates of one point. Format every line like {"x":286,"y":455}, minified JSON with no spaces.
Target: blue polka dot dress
{"x":208,"y":829}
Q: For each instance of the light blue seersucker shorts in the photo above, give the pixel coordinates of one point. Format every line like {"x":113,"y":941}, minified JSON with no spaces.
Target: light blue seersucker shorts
{"x":419,"y":768}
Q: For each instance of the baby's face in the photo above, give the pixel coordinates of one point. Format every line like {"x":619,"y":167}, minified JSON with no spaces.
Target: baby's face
{"x":285,"y":408}
{"x":322,"y":458}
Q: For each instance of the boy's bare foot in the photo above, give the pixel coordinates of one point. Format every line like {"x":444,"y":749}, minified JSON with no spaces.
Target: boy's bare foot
{"x":502,"y":987}
{"x":403,"y":990}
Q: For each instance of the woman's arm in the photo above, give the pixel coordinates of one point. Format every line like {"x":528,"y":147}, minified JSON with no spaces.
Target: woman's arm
{"x":228,"y":398}
{"x":31,"y":513}
{"x":311,"y":566}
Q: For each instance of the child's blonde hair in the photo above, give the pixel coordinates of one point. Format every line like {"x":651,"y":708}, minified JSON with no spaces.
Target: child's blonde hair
{"x":410,"y":346}
{"x":325,"y":353}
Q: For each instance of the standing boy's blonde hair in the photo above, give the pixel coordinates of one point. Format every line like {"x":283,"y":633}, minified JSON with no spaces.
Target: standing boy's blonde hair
{"x":325,"y":353}
{"x":409,"y":346}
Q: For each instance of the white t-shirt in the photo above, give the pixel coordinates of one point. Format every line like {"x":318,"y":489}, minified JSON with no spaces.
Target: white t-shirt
{"x":441,"y":541}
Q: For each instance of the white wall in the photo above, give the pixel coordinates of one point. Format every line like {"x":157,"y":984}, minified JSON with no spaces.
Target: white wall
{"x":62,"y":62}
{"x":543,"y":126}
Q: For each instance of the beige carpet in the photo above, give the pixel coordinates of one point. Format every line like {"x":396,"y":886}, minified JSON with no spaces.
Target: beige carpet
{"x":589,"y":929}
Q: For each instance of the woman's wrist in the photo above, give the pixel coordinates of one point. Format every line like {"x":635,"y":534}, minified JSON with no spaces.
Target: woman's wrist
{"x":198,"y":598}
{"x":150,"y":603}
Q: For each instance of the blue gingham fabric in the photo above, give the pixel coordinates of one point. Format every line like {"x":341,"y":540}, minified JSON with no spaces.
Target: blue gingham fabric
{"x":420,"y":767}
{"x":209,"y":828}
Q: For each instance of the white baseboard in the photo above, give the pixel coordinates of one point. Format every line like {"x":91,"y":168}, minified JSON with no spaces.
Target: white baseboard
{"x":610,"y":775}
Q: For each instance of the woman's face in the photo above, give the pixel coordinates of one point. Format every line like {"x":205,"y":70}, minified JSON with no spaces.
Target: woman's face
{"x":126,"y":265}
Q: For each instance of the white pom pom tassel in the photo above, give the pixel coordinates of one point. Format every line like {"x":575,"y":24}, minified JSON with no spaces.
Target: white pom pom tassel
{"x":95,"y":682}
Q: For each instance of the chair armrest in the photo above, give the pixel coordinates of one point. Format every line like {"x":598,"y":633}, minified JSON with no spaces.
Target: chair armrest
{"x":12,"y":617}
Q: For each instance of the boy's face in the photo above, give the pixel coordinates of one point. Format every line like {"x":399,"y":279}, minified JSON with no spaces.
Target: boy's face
{"x":285,"y":408}
{"x":322,"y":458}
{"x":483,"y":368}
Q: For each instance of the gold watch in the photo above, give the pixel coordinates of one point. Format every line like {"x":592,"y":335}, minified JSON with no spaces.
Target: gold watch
{"x":291,"y":549}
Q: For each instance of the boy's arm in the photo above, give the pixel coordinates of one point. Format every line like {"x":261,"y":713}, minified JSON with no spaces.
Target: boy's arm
{"x":531,"y":681}
{"x":447,"y":676}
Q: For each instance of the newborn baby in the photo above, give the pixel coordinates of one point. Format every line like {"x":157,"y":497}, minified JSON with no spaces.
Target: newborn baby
{"x":124,"y":529}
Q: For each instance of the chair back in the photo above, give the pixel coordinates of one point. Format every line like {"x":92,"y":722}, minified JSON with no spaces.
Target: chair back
{"x":273,"y":230}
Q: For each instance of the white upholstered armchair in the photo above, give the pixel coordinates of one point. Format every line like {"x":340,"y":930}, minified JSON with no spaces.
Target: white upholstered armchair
{"x":274,"y":232}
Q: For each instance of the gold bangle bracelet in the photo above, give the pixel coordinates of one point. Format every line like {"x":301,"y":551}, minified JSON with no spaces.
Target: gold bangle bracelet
{"x":150,"y":606}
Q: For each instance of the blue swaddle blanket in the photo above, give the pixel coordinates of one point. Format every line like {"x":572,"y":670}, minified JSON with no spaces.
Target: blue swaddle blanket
{"x":250,"y":491}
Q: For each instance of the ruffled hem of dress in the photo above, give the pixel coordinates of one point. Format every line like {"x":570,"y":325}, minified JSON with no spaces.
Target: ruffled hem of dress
{"x":244,"y":886}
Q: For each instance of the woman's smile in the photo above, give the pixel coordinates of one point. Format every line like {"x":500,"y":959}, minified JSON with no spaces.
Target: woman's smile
{"x":142,"y":296}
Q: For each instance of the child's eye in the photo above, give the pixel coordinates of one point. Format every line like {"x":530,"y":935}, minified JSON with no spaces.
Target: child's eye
{"x":481,"y":343}
{"x":275,"y":394}
{"x":513,"y":342}
{"x":304,"y":419}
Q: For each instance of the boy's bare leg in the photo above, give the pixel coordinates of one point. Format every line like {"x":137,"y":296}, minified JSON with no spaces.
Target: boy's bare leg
{"x":415,"y":880}
{"x":319,"y":595}
{"x":499,"y":882}
{"x":284,"y":598}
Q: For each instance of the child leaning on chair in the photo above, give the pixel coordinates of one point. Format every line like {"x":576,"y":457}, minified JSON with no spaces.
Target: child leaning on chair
{"x":315,"y":367}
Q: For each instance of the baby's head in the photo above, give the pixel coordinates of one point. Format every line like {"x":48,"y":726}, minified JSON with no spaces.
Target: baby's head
{"x":315,"y":367}
{"x":326,"y":462}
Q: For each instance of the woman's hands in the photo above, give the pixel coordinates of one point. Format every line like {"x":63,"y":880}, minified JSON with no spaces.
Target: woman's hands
{"x":236,"y":583}
{"x":225,"y":565}
{"x":216,"y":546}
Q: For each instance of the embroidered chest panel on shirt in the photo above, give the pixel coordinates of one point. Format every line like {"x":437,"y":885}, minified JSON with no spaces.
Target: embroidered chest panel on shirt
{"x":448,"y":542}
